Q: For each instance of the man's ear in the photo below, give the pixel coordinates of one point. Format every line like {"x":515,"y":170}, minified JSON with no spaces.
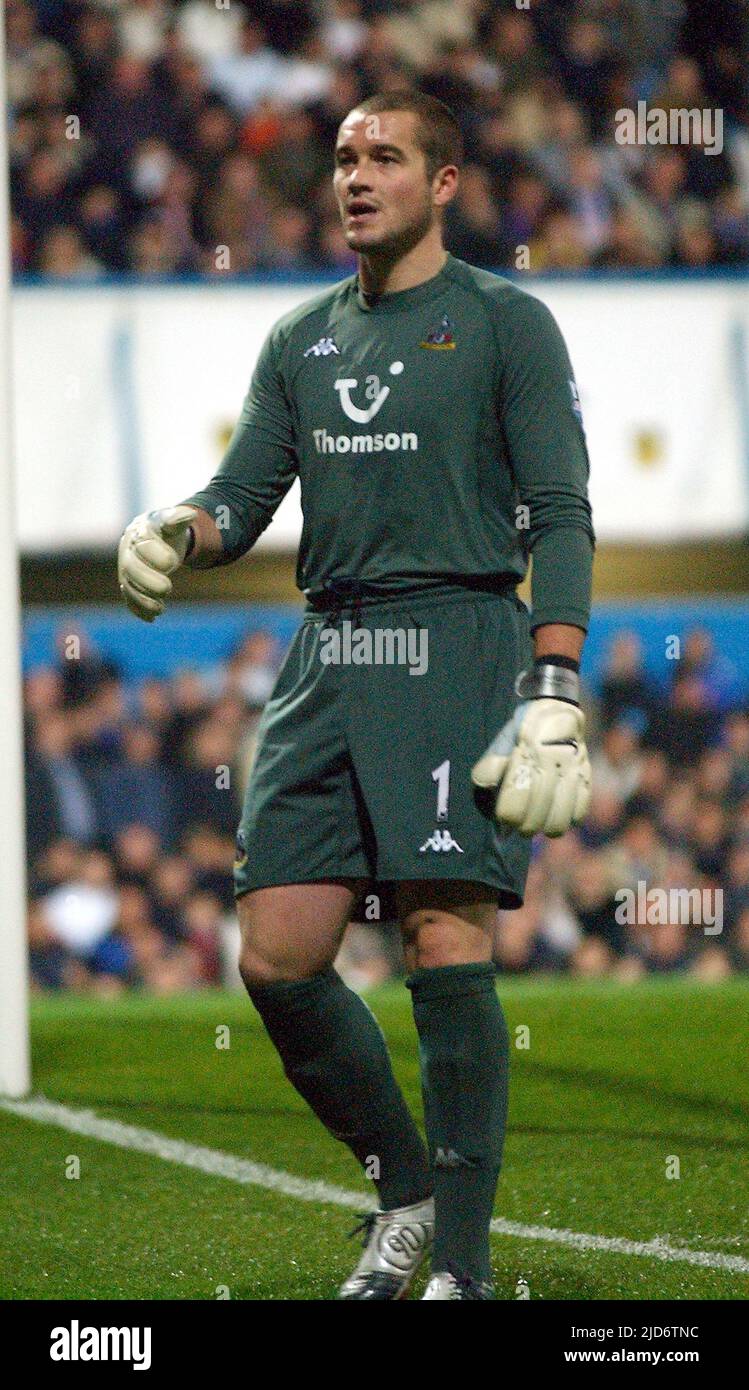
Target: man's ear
{"x":445,"y":184}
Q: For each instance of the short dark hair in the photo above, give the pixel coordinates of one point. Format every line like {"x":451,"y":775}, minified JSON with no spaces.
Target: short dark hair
{"x":438,"y":134}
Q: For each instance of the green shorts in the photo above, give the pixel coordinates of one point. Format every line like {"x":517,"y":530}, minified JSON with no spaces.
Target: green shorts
{"x":364,"y":753}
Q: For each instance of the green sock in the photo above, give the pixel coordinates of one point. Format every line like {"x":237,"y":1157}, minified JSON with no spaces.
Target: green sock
{"x":334,"y":1053}
{"x":464,"y":1054}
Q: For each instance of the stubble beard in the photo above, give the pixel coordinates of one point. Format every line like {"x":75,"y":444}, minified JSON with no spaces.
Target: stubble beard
{"x":392,"y":246}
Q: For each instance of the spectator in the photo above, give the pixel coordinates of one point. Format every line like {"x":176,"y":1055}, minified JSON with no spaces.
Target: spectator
{"x":687,"y":725}
{"x":736,"y":743}
{"x":63,"y":256}
{"x":617,"y":766}
{"x":638,"y":855}
{"x":206,"y":793}
{"x":171,"y":883}
{"x":203,"y":915}
{"x":60,"y":796}
{"x":139,"y":893}
{"x":290,"y":241}
{"x":718,"y":675}
{"x":474,"y":220}
{"x":83,"y":672}
{"x":58,"y":864}
{"x":164,"y":83}
{"x":136,"y":849}
{"x":652,"y":783}
{"x":738,"y":946}
{"x":51,"y":965}
{"x":81,"y":913}
{"x":709,"y":838}
{"x":677,"y":812}
{"x":255,"y":72}
{"x":560,"y":244}
{"x":136,"y":787}
{"x":102,"y":224}
{"x":189,"y":707}
{"x":592,"y":897}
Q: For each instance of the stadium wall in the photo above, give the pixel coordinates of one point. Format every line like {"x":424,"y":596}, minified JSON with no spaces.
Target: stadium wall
{"x":204,"y":635}
{"x":125,"y":396}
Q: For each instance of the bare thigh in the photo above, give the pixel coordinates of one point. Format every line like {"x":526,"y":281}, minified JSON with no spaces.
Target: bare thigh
{"x":292,"y":931}
{"x":445,"y":923}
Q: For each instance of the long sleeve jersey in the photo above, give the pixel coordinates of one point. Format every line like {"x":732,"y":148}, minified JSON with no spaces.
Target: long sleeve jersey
{"x":437,"y":435}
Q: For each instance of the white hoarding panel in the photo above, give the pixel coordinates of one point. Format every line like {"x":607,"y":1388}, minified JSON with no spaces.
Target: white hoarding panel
{"x":125,"y":398}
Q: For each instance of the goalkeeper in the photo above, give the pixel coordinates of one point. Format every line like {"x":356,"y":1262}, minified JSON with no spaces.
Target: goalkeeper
{"x":430,"y":412}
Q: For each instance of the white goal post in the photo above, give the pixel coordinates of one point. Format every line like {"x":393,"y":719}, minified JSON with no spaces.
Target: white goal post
{"x":15,"y":1066}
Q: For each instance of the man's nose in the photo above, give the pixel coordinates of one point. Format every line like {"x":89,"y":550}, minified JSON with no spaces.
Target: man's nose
{"x":359,"y":180}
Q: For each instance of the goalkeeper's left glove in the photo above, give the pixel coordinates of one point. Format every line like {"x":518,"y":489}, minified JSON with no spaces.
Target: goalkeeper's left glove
{"x":538,"y":763}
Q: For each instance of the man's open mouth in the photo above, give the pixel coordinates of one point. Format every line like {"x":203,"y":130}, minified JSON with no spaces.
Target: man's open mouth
{"x":359,"y":208}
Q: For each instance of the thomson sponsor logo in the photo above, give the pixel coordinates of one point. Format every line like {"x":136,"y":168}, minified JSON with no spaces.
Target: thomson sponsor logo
{"x":390,"y":443}
{"x":346,"y":645}
{"x":76,"y":1343}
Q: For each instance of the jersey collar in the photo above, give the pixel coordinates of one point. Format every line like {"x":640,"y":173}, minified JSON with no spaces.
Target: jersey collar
{"x":398,"y":300}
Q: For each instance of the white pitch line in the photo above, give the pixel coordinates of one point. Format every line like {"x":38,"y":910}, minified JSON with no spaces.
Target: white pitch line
{"x":656,"y":1249}
{"x":211,"y":1161}
{"x":242,"y":1170}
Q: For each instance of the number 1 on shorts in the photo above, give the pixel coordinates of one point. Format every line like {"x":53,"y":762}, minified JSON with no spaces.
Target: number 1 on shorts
{"x":441,"y":775}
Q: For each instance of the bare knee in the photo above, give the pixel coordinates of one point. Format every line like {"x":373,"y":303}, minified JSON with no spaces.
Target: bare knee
{"x":456,"y":933}
{"x":257,"y":967}
{"x":266,"y":957}
{"x":291,"y":932}
{"x":432,"y":938}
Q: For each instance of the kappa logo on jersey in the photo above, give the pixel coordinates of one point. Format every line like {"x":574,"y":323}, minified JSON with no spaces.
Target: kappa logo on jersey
{"x":440,"y":338}
{"x":323,"y":348}
{"x":576,"y":406}
{"x":441,"y":841}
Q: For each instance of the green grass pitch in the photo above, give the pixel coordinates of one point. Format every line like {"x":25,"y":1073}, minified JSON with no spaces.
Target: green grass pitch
{"x":617,"y":1081}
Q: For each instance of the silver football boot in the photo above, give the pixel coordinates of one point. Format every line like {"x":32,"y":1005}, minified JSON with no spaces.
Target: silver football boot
{"x":450,"y":1286}
{"x":395,"y":1243}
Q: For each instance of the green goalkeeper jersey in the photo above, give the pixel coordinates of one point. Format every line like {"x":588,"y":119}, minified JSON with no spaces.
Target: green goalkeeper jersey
{"x":437,"y":436}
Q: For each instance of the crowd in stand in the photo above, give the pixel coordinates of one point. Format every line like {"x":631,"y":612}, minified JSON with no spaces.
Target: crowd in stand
{"x":159,"y":136}
{"x":134,"y":793}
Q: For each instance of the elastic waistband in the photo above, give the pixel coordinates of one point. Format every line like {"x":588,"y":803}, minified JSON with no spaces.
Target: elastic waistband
{"x":351,"y":594}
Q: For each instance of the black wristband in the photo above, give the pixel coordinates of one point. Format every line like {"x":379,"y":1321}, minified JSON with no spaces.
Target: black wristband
{"x":568,"y":662}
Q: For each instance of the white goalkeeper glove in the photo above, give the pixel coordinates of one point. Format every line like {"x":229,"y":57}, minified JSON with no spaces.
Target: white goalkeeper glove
{"x":153,"y":547}
{"x":538,"y":763}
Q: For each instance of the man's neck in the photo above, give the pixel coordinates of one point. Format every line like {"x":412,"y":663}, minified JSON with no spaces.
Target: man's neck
{"x":379,"y":276}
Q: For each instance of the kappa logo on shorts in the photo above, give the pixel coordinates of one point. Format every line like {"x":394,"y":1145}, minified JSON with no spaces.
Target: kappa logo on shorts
{"x":441,"y":841}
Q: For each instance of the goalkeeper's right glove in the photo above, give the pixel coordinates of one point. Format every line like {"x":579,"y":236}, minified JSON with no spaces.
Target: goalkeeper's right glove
{"x":153,"y":546}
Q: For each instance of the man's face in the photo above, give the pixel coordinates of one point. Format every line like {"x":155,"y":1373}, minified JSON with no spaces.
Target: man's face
{"x":380,"y":181}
